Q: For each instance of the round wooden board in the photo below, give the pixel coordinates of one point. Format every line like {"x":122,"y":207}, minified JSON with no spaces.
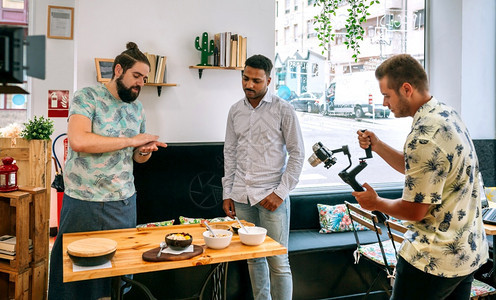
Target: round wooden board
{"x":91,"y":247}
{"x":151,"y":255}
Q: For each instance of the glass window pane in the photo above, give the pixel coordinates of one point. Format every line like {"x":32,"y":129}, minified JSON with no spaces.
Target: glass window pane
{"x":334,"y":96}
{"x":13,"y":4}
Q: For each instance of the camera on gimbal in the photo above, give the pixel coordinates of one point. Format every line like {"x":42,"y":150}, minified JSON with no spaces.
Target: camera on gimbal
{"x":321,"y":154}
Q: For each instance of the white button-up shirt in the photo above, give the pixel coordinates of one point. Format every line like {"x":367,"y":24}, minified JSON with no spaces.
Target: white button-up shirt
{"x":263,"y":150}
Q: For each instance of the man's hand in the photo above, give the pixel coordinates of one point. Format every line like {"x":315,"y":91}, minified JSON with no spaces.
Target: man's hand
{"x":228,"y":207}
{"x":151,"y":146}
{"x":367,"y":138}
{"x":368,"y":198}
{"x":271,"y":202}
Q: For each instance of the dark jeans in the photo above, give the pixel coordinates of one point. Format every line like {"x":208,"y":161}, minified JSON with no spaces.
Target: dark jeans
{"x":412,"y":283}
{"x":78,"y":216}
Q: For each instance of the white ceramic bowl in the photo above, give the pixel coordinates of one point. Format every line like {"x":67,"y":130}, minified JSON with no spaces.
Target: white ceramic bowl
{"x":254,"y":236}
{"x":222,"y":240}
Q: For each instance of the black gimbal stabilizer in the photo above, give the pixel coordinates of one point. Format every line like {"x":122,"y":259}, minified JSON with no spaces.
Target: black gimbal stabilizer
{"x":322,"y":154}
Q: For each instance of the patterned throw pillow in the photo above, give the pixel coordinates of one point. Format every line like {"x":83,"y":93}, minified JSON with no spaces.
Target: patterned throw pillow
{"x":336,"y":219}
{"x":491,"y":194}
{"x":186,"y":220}
{"x":156,"y":224}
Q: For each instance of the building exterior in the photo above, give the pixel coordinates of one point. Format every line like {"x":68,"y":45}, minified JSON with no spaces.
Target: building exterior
{"x":393,"y":26}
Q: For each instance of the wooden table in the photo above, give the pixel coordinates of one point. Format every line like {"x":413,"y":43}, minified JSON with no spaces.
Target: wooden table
{"x":131,"y":243}
{"x":491,"y":230}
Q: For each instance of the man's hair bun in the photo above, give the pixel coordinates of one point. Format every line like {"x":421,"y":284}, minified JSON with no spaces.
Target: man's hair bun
{"x":131,"y":46}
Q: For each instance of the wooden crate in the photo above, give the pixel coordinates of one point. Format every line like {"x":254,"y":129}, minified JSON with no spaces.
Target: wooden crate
{"x":15,"y":210}
{"x":34,"y":159}
{"x":39,"y":280}
{"x":15,"y":285}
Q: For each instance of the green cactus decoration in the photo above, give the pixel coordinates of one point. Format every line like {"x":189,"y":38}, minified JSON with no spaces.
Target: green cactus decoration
{"x":205,"y":52}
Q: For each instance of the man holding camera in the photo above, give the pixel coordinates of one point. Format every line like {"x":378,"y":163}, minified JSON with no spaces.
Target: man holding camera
{"x":445,"y":242}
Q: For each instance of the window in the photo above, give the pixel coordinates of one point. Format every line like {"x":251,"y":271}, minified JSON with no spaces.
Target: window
{"x":277,"y":37}
{"x":287,"y":6}
{"x":315,"y":70}
{"x":310,"y":29}
{"x":13,"y":107}
{"x":13,"y":12}
{"x":338,"y":78}
{"x":419,"y":18}
{"x":296,"y":32}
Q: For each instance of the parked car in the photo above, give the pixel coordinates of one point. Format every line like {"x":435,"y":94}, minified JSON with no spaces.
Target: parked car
{"x":308,"y":102}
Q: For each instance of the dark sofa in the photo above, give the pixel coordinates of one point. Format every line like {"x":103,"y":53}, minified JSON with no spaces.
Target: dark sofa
{"x":184,"y":180}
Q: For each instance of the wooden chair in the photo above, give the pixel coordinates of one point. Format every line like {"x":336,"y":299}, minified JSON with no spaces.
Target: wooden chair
{"x":380,"y":253}
{"x":480,"y":290}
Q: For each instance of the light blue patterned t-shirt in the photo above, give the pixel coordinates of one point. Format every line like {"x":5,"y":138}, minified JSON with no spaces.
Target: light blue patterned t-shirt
{"x":103,"y":176}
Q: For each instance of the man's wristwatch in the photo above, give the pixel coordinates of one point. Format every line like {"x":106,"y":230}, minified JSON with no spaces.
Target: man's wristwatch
{"x":144,"y":153}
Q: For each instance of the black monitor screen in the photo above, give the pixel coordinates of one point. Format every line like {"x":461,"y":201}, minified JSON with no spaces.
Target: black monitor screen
{"x":11,"y":54}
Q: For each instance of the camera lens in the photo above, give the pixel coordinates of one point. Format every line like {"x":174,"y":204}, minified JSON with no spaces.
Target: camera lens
{"x":314,"y":160}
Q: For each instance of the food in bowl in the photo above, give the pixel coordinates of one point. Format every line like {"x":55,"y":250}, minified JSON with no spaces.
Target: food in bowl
{"x":179,"y":240}
{"x":220,"y":226}
{"x":255,"y":235}
{"x":235,"y":226}
{"x":221,"y":240}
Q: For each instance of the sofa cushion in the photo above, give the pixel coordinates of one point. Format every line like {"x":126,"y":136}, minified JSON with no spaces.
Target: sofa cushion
{"x":304,"y":214}
{"x":335,"y":218}
{"x":311,"y":240}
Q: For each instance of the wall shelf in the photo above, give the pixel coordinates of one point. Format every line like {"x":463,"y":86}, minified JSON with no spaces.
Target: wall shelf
{"x":201,"y":68}
{"x":160,"y":85}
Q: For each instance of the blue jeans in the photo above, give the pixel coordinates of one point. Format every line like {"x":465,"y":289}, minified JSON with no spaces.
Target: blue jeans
{"x":280,"y":285}
{"x":413,"y":284}
{"x":78,"y":216}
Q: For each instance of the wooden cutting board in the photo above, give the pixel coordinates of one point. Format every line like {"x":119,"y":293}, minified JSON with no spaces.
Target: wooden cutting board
{"x":151,"y":255}
{"x":91,"y":247}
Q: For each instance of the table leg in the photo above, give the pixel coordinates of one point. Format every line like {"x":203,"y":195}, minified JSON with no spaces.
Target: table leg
{"x":493,"y":269}
{"x":117,"y":289}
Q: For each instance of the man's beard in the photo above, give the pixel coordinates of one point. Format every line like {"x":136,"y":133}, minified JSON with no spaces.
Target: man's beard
{"x":126,"y":94}
{"x":402,"y":109}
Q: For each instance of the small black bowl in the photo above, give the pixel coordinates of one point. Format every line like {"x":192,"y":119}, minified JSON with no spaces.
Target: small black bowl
{"x":89,"y":261}
{"x":178,"y":244}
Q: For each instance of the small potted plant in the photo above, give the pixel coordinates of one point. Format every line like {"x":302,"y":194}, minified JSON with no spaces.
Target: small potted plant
{"x":38,"y":128}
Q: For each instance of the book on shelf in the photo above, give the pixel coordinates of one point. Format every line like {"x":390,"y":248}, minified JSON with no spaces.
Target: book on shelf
{"x":222,"y":50}
{"x":8,"y":243}
{"x":242,"y":60}
{"x":229,"y":50}
{"x":159,"y":78}
{"x":234,"y":51}
{"x":157,"y":68}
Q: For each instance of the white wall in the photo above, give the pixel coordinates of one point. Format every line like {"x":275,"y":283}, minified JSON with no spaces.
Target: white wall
{"x":462,"y":60}
{"x":196,"y":110}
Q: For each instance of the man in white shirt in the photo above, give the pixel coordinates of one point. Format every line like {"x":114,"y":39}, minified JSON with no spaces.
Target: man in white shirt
{"x":262,"y":129}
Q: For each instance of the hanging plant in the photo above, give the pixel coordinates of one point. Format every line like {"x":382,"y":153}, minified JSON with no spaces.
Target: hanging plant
{"x":357,"y":14}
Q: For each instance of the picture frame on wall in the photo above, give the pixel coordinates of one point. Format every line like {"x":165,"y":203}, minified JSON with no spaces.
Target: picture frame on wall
{"x":104,"y":69}
{"x":60,"y":22}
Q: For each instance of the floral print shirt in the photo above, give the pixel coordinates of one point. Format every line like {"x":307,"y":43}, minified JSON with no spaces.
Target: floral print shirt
{"x":103,"y":176}
{"x":441,"y":169}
